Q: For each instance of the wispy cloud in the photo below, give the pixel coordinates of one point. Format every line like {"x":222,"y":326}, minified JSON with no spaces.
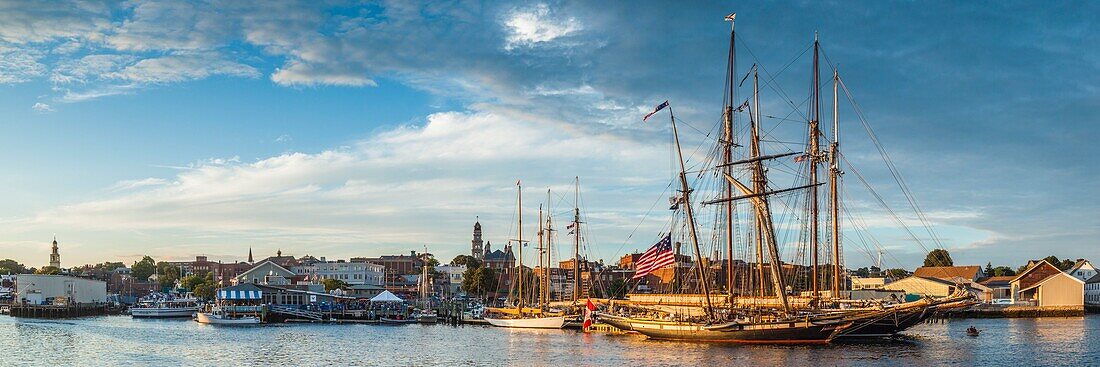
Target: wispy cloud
{"x":41,"y":107}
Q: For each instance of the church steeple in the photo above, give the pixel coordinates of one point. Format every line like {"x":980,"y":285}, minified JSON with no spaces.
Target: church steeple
{"x":55,"y":257}
{"x":475,"y":249}
{"x":250,"y":255}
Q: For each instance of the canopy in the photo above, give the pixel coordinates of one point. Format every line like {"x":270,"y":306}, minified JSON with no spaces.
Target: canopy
{"x":386,"y":296}
{"x":240,"y":295}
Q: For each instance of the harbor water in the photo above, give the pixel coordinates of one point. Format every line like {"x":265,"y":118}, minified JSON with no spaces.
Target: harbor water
{"x":119,"y":340}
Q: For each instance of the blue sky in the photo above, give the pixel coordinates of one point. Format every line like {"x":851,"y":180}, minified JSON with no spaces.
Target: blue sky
{"x":178,"y":129}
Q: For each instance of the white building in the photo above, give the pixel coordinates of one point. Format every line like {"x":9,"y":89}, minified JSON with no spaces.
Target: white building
{"x":42,"y":289}
{"x":867,"y":283}
{"x":455,"y":275}
{"x":350,"y":272}
{"x":1082,"y":270}
{"x":1092,"y":290}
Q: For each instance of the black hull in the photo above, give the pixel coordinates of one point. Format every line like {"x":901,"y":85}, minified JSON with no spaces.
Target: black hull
{"x":887,"y":324}
{"x":802,"y":332}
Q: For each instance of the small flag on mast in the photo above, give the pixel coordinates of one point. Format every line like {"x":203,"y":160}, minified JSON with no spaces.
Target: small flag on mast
{"x":655,"y":110}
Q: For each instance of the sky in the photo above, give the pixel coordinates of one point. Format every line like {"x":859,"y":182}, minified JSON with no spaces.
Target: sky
{"x":339,"y":129}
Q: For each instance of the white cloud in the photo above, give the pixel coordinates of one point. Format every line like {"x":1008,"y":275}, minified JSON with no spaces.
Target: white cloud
{"x":182,"y":67}
{"x":377,"y":192}
{"x":41,"y":107}
{"x":283,"y":139}
{"x":19,"y":66}
{"x":534,"y":26}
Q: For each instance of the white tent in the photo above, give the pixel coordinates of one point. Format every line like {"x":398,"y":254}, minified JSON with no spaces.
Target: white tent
{"x":386,"y":296}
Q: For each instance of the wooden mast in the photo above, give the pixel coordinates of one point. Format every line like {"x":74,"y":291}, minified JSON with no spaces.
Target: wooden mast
{"x":519,"y":209}
{"x":727,"y":158}
{"x":577,"y":239}
{"x":814,"y":158}
{"x":542,"y":268}
{"x":757,"y":179}
{"x":834,"y":182}
{"x":549,"y":238}
{"x":686,"y":190}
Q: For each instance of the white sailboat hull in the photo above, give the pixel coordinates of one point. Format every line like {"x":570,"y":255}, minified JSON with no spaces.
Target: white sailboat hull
{"x":555,"y":322}
{"x":206,"y":318}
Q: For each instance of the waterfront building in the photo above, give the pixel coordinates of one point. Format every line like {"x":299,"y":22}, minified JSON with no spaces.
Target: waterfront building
{"x":454,"y":275}
{"x":497,"y":259}
{"x":365,"y":291}
{"x":273,"y":295}
{"x":1082,"y":269}
{"x":267,"y":272}
{"x":396,"y":265}
{"x":1092,"y":290}
{"x":1043,"y":284}
{"x":55,"y":257}
{"x":859,"y":283}
{"x":45,"y":289}
{"x":351,"y":272}
{"x":970,"y":273}
{"x":1000,"y":287}
{"x":923,"y":286}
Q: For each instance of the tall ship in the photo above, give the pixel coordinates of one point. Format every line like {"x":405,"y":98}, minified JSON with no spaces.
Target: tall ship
{"x":762,"y":298}
{"x":522,"y":315}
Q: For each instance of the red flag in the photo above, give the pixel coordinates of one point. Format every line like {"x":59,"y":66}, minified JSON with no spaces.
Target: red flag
{"x":588,"y":313}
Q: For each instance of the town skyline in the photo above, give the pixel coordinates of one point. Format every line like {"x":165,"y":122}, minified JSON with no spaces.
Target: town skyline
{"x":324,"y":130}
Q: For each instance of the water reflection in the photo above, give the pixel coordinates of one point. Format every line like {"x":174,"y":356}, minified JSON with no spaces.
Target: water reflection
{"x":124,"y":341}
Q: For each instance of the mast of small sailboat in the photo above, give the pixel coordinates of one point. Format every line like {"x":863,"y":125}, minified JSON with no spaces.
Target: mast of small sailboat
{"x":519,"y":209}
{"x":576,"y":239}
{"x":834,"y":181}
{"x":686,"y":191}
{"x":814,"y":157}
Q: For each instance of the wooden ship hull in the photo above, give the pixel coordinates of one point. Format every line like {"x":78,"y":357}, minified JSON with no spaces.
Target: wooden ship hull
{"x":794,"y":332}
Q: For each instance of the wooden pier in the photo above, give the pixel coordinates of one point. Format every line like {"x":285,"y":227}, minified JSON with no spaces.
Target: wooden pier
{"x":60,"y":311}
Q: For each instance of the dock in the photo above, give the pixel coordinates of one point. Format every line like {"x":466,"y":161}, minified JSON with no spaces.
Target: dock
{"x":60,"y":311}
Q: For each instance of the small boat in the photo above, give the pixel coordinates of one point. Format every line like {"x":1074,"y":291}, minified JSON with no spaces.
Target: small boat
{"x":389,"y":321}
{"x":552,"y":322}
{"x":220,"y":318}
{"x":426,"y":317}
{"x":973,"y":331}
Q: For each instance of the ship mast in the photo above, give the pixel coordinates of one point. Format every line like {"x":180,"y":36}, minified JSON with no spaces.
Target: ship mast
{"x":758,"y":183}
{"x":686,"y":190}
{"x":519,"y":209}
{"x":814,"y":157}
{"x":727,"y":158}
{"x":542,"y":253}
{"x":834,"y":182}
{"x":577,"y":239}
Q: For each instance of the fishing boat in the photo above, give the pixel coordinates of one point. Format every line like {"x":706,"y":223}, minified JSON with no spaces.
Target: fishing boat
{"x":218,"y":316}
{"x":521,"y":316}
{"x":165,"y":306}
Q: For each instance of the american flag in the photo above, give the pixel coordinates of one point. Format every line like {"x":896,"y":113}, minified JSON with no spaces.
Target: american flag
{"x":658,"y":256}
{"x":655,"y":110}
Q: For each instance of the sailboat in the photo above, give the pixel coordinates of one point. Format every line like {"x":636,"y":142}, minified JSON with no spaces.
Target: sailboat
{"x":426,"y":315}
{"x":522,"y":316}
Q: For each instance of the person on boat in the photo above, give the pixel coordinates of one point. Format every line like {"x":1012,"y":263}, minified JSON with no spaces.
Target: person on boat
{"x":972,"y":330}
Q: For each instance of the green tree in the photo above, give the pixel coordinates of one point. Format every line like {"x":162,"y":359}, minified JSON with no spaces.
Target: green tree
{"x":191,"y":281}
{"x":9,"y":266}
{"x":49,"y":270}
{"x":938,"y":257}
{"x":141,"y":270}
{"x":617,"y":289}
{"x":469,"y":261}
{"x":167,"y":274}
{"x":1002,"y":271}
{"x":480,"y":281}
{"x":896,"y":273}
{"x":204,"y":290}
{"x":332,"y":284}
{"x":989,"y":269}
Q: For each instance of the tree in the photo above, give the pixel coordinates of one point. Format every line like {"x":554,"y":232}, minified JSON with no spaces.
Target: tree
{"x":480,"y":281}
{"x":989,"y":269}
{"x":333,"y":284}
{"x":204,"y":290}
{"x":617,"y":289}
{"x":49,"y":270}
{"x":141,"y":270}
{"x":167,"y":275}
{"x":863,"y":272}
{"x":191,"y":281}
{"x":896,"y":273}
{"x":469,"y":261}
{"x":938,"y":257}
{"x":9,"y":266}
{"x":1002,"y":271}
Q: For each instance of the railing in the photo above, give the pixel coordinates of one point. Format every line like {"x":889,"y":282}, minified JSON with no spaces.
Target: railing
{"x":296,"y":312}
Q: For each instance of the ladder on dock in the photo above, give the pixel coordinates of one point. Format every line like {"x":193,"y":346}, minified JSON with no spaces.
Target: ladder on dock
{"x":296,"y":312}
